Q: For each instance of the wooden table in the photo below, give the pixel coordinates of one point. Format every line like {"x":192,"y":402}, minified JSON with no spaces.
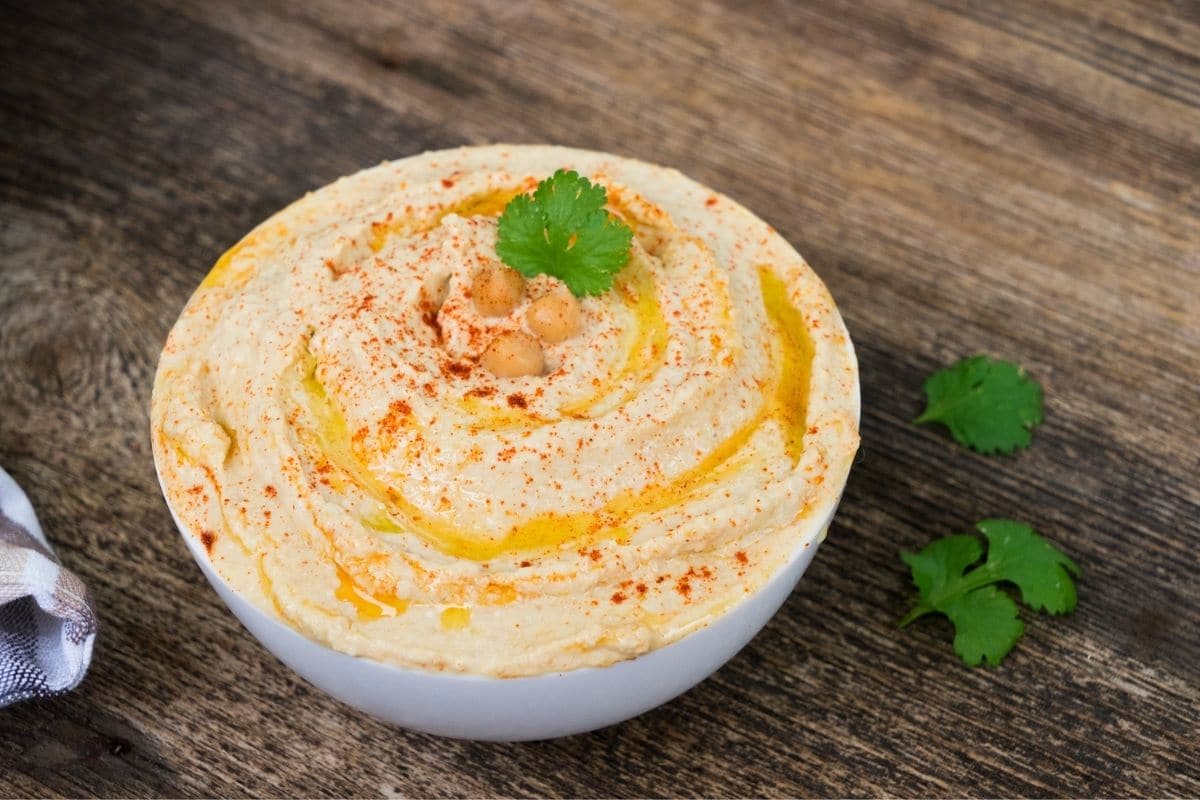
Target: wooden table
{"x":1016,"y":178}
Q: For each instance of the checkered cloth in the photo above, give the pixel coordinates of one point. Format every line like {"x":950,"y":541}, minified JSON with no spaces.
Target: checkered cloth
{"x":47,"y":626}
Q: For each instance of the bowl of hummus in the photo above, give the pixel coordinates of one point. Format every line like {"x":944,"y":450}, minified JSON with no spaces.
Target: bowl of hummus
{"x":474,"y":502}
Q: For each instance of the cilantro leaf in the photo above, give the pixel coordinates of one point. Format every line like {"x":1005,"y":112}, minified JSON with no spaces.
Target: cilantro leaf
{"x":986,"y":623}
{"x":989,"y":405}
{"x":1040,"y":570}
{"x":942,"y":561}
{"x":564,"y":230}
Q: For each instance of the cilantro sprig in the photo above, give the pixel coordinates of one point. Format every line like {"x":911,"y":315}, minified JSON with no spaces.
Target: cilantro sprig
{"x":989,"y":405}
{"x":986,"y":620}
{"x":564,"y":230}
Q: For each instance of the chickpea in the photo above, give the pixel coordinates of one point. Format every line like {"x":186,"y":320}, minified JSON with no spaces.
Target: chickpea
{"x":555,"y":316}
{"x":496,"y":290}
{"x":513,"y":354}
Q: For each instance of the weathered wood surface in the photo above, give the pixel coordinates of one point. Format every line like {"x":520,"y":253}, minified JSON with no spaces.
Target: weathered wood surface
{"x":1018,"y":178}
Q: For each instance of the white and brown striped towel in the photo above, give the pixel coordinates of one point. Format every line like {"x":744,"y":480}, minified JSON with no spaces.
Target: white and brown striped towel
{"x":47,"y":625}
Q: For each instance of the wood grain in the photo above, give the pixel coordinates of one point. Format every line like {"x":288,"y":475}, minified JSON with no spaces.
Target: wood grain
{"x":1017,"y":178}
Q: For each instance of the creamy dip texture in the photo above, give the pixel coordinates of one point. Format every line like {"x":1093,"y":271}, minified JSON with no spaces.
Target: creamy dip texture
{"x":323,"y":426}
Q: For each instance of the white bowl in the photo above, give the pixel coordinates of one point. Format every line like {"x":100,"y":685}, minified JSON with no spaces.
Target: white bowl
{"x":520,"y":709}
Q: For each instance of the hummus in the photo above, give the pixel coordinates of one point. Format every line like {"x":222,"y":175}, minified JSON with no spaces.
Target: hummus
{"x":322,"y":425}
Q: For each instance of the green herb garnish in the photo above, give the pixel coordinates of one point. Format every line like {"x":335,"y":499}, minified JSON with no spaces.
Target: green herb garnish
{"x":989,"y":405}
{"x":564,"y":230}
{"x":986,"y":622}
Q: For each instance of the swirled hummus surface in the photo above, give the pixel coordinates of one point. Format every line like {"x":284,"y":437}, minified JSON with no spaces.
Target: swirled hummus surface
{"x":323,"y":427}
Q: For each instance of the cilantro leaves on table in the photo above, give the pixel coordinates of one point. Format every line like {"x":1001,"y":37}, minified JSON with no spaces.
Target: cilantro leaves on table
{"x":986,"y":621}
{"x":564,"y":230}
{"x":989,"y":405}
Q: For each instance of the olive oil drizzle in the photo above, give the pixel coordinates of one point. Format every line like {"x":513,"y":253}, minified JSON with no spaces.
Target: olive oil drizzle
{"x":786,"y":403}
